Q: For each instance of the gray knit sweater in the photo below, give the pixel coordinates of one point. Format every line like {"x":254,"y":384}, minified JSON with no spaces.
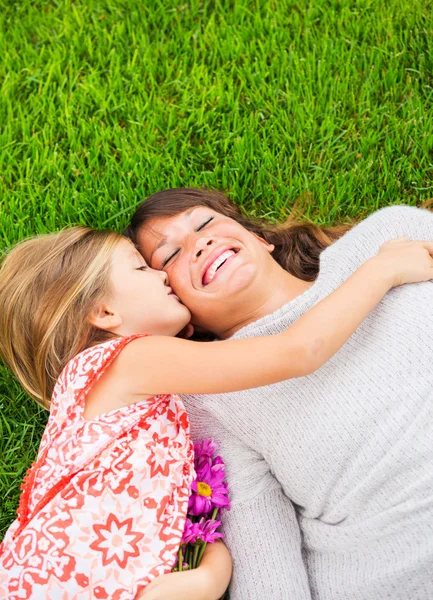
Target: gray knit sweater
{"x":331,"y":475}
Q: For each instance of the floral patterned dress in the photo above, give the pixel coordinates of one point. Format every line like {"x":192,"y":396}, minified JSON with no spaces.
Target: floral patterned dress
{"x":103,"y":508}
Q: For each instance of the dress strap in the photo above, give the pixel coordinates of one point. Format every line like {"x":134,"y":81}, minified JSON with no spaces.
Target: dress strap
{"x":81,"y":373}
{"x":78,"y":377}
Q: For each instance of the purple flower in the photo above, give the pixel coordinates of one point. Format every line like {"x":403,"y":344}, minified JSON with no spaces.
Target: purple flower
{"x":218,"y":464}
{"x":203,"y":452}
{"x":209,"y":490}
{"x":208,"y":533}
{"x":209,"y":495}
{"x":191,"y":532}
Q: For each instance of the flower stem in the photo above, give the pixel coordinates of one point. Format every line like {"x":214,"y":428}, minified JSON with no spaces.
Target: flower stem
{"x":189,"y":561}
{"x":200,"y":556}
{"x":196,"y":551}
{"x":180,"y":559}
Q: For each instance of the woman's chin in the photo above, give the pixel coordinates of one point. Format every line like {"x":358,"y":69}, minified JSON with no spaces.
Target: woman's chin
{"x":229,"y":289}
{"x":237,"y":281}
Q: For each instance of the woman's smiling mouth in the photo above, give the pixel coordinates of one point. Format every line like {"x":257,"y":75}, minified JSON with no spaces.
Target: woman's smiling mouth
{"x":218,"y":260}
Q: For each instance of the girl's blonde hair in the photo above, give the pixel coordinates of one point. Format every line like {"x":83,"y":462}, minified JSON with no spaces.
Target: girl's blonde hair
{"x":48,"y":288}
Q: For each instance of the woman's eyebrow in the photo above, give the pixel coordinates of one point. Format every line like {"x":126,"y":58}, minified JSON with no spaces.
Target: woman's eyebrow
{"x":163,"y":240}
{"x":160,"y":245}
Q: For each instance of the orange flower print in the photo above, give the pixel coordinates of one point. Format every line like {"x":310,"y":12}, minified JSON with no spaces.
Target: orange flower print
{"x":158,"y":457}
{"x":116,"y":540}
{"x":104,"y":506}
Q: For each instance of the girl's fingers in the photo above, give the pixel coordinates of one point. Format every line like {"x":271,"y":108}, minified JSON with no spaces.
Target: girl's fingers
{"x":399,"y":239}
{"x":428,"y":245}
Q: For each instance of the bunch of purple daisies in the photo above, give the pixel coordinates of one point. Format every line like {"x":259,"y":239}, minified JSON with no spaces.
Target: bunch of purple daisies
{"x":208,"y":497}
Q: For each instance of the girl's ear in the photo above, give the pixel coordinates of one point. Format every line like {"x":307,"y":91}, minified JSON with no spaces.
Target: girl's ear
{"x":104,"y":318}
{"x":269,"y":247}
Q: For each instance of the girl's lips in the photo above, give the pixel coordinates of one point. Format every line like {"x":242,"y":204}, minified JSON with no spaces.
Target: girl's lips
{"x":213,"y":274}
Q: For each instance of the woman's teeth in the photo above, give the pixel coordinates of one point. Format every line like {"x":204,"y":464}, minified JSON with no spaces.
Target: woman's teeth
{"x":212,"y":269}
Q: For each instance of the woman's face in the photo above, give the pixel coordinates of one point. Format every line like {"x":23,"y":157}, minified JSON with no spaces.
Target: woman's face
{"x":213,"y":263}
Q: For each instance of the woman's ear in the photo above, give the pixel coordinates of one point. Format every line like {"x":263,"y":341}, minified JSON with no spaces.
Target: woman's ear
{"x":269,"y":247}
{"x":104,"y":318}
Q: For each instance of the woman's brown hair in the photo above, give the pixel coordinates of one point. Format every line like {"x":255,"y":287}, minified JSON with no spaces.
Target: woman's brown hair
{"x":297,"y":244}
{"x":48,"y":287}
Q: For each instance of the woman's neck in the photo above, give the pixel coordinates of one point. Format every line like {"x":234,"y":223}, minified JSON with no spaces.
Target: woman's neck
{"x":280,"y":288}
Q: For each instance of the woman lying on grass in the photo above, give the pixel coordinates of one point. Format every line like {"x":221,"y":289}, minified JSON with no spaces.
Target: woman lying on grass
{"x":330,"y":475}
{"x":89,"y":330}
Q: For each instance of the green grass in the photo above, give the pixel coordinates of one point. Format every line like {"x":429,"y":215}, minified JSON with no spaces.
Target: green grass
{"x":104,"y":102}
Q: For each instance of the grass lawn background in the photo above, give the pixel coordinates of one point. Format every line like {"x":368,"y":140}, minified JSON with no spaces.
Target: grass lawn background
{"x":323,"y":103}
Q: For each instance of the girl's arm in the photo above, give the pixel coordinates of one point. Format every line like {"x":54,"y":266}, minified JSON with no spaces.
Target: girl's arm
{"x":208,"y":582}
{"x":158,"y":365}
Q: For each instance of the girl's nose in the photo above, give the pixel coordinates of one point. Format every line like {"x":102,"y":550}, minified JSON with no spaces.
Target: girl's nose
{"x":201,"y":244}
{"x":164,"y":277}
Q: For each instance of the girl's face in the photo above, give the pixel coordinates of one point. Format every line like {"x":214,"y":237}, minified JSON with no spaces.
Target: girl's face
{"x":214,"y":263}
{"x":141,"y":297}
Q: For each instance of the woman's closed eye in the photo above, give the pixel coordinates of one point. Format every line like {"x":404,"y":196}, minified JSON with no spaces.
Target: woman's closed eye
{"x":205,"y":223}
{"x":173,"y":254}
{"x":167,"y":260}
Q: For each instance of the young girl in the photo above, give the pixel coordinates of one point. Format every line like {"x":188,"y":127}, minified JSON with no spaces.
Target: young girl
{"x":86,"y":323}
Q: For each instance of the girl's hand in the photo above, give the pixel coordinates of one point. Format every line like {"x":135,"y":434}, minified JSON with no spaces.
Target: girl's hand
{"x":208,"y":582}
{"x":186,"y":585}
{"x":405,"y":261}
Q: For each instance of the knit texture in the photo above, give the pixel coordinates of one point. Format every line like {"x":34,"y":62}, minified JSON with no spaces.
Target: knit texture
{"x":331,"y":475}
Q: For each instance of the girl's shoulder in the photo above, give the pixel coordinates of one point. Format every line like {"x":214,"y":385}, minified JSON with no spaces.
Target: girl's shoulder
{"x":83,"y":371}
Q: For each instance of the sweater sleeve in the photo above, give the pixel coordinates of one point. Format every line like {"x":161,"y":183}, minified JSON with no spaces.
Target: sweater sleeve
{"x":362,"y":242}
{"x":397,"y":221}
{"x":265,"y":543}
{"x":261,"y":529}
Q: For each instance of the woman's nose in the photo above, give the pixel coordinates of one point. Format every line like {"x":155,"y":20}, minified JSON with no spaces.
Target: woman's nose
{"x":201,"y":244}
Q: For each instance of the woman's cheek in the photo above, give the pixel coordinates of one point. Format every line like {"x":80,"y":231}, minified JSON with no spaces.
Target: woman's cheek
{"x":179,"y":282}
